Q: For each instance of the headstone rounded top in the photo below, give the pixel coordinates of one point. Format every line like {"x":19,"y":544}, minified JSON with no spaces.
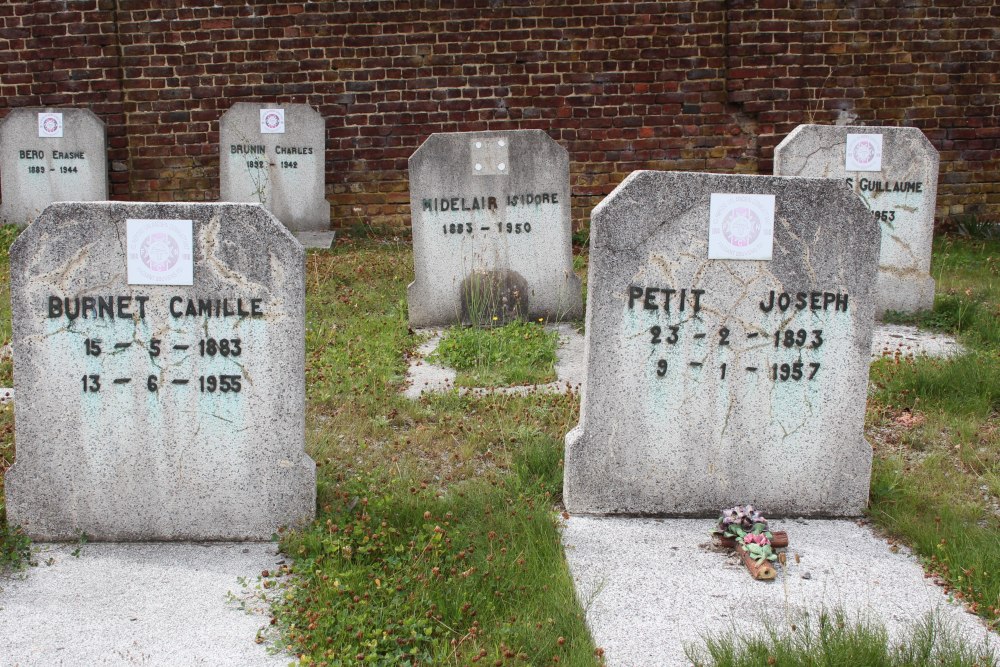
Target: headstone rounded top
{"x":815,"y":129}
{"x":631,"y":200}
{"x":53,"y":218}
{"x":303,"y":111}
{"x":538,"y":139}
{"x":84,"y":114}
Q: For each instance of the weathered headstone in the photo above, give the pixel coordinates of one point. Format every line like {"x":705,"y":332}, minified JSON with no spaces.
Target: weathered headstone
{"x":725,"y":380}
{"x":169,"y":404}
{"x":491,"y":229}
{"x":49,"y":155}
{"x":275,"y":156}
{"x":895,"y":170}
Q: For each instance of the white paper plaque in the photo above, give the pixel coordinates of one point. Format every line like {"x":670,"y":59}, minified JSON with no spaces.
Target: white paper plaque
{"x":272,"y":121}
{"x":863,"y":152}
{"x":741,"y":226}
{"x":50,"y":125}
{"x":159,"y":252}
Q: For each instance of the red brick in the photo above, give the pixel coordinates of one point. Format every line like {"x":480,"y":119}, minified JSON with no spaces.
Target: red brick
{"x":699,"y":84}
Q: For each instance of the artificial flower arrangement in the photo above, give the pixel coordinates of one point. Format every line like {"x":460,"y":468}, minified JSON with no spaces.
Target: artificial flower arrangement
{"x":744,"y":528}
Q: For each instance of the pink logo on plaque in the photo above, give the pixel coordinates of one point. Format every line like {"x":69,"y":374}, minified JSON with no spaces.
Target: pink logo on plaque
{"x":272,"y":120}
{"x":741,"y":227}
{"x":864,"y":152}
{"x":50,"y":125}
{"x":159,"y":251}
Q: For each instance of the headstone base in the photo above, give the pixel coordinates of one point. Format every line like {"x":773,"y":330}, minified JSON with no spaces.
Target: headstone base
{"x":315,"y":239}
{"x":277,"y":497}
{"x":906,"y":293}
{"x":599,"y":493}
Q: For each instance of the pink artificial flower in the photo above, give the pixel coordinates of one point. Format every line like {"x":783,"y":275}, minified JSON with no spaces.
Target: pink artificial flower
{"x":754,"y":538}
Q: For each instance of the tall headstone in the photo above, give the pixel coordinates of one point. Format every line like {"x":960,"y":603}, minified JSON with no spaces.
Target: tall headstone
{"x":159,"y":355}
{"x":49,"y":155}
{"x":729,"y":325}
{"x":275,"y":156}
{"x":895,"y":170}
{"x":492,"y":234}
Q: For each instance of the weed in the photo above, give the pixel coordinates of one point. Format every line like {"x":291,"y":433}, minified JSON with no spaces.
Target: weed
{"x":833,"y":639}
{"x":934,"y":508}
{"x":974,"y":227}
{"x":364,"y":579}
{"x":14,"y":544}
{"x":80,"y":542}
{"x":967,"y":304}
{"x":935,"y":424}
{"x":406,"y":575}
{"x":493,"y":298}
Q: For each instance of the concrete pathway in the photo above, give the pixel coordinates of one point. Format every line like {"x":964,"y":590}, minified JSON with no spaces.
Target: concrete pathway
{"x":652,"y":587}
{"x":137,"y":604}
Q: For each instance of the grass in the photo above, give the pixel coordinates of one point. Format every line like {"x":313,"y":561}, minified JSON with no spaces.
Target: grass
{"x":518,"y":353}
{"x":833,"y":639}
{"x":435,"y":541}
{"x":14,"y":545}
{"x":397,"y":573}
{"x":967,"y":302}
{"x":935,"y":425}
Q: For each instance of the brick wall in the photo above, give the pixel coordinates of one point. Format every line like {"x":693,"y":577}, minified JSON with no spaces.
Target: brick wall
{"x":698,"y":85}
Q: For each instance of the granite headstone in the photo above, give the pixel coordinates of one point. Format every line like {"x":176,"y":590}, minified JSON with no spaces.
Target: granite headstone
{"x":729,"y":326}
{"x":49,"y":155}
{"x":895,"y":170}
{"x":274,"y":155}
{"x":159,"y":355}
{"x":492,"y":237}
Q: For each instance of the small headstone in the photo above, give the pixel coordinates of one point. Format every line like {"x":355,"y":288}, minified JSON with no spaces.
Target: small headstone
{"x":712,"y":382}
{"x":275,"y":156}
{"x":50,"y":155}
{"x":492,"y":234}
{"x":895,"y":170}
{"x":168,"y":405}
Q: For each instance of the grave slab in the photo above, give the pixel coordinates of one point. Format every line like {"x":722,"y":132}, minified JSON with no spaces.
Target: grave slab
{"x":137,"y":604}
{"x":424,"y":377}
{"x":651,"y":587}
{"x":281,"y":167}
{"x":909,"y":342}
{"x":149,"y":411}
{"x":712,"y":382}
{"x":492,"y":234}
{"x":38,"y":166}
{"x":895,"y":171}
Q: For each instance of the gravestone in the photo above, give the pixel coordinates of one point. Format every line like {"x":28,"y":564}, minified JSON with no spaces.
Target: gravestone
{"x":492,"y":236}
{"x":895,"y":170}
{"x":49,"y":155}
{"x":275,"y":156}
{"x":729,"y":327}
{"x":159,"y":355}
